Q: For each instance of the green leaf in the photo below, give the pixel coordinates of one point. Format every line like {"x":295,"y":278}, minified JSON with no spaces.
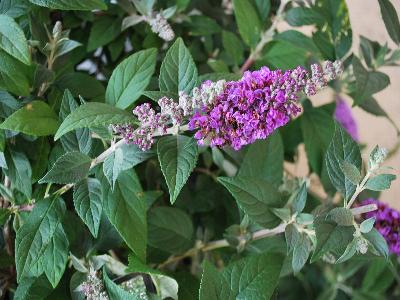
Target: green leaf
{"x":33,"y":288}
{"x":123,"y":158}
{"x":130,"y":78}
{"x":127,"y":211}
{"x":177,"y":156}
{"x":170,"y":229}
{"x":317,"y":128}
{"x":69,"y":168}
{"x":367,"y":225}
{"x":35,"y":118}
{"x":351,"y":172}
{"x":71,"y":4}
{"x":342,"y":149}
{"x":14,"y":75}
{"x":36,"y":234}
{"x":178,"y":71}
{"x":103,"y":31}
{"x":248,"y":22}
{"x":263,"y":8}
{"x":19,"y":171}
{"x":88,"y":204}
{"x":247,"y":278}
{"x":292,"y":235}
{"x":297,"y":39}
{"x":380,"y":182}
{"x":283,"y":55}
{"x":200,"y":25}
{"x":342,"y":216}
{"x":379,"y":243}
{"x":367,"y":82}
{"x":4,"y":214}
{"x":55,"y":257}
{"x":300,"y":198}
{"x":301,"y":252}
{"x":156,"y":95}
{"x":114,"y":291}
{"x":93,"y":114}
{"x":256,"y":197}
{"x":233,"y":46}
{"x":351,"y":249}
{"x":80,"y":140}
{"x":331,"y":238}
{"x":13,"y":41}
{"x":299,"y":16}
{"x":13,"y":8}
{"x":264,"y":160}
{"x":391,"y":20}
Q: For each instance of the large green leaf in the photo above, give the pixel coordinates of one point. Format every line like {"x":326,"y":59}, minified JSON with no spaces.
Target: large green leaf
{"x":69,"y":168}
{"x":233,"y":46}
{"x":35,"y":118}
{"x":248,"y":22}
{"x":264,"y":159}
{"x":256,"y":197}
{"x":19,"y":171}
{"x":299,"y":16}
{"x":254,"y":277}
{"x":13,"y":8}
{"x":391,"y":20}
{"x":177,"y":156}
{"x":125,"y":157}
{"x":54,"y":259}
{"x":301,"y":252}
{"x":12,"y":39}
{"x":81,"y":84}
{"x":93,"y":114}
{"x":317,"y":128}
{"x":342,"y":149}
{"x":33,"y":288}
{"x":126,"y":210}
{"x":36,"y":234}
{"x":178,"y":71}
{"x":14,"y":75}
{"x":367,"y":82}
{"x":331,"y":238}
{"x":80,"y":140}
{"x":88,"y":203}
{"x":170,"y":229}
{"x":71,"y":4}
{"x":130,"y":78}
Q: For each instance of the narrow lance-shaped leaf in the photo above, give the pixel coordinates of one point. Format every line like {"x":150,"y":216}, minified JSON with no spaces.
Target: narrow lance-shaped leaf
{"x":93,"y":114}
{"x":35,"y":118}
{"x":130,"y":78}
{"x":35,"y":235}
{"x":69,"y":168}
{"x":342,"y":149}
{"x":248,"y":22}
{"x":88,"y":203}
{"x":71,"y":4}
{"x":13,"y":40}
{"x":177,"y":156}
{"x":391,"y":20}
{"x":178,"y":71}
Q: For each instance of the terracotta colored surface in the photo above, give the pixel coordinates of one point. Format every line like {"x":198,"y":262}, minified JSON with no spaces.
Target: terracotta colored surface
{"x":366,"y":20}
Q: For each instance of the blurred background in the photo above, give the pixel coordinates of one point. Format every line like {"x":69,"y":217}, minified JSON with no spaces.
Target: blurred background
{"x":366,"y":20}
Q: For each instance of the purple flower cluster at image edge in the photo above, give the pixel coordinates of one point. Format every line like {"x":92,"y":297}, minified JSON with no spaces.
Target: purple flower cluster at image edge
{"x":387,"y":222}
{"x":256,"y":105}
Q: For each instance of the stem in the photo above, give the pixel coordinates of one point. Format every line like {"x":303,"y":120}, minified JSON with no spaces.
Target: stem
{"x":257,"y":235}
{"x":359,"y":189}
{"x":265,"y":38}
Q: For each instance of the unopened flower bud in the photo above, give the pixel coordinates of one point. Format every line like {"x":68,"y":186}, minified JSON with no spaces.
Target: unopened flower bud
{"x":57,"y":29}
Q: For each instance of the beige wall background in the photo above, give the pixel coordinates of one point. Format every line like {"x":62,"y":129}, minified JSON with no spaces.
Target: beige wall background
{"x":366,"y":20}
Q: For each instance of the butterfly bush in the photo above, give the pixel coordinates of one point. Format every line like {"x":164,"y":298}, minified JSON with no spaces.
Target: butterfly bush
{"x":387,"y":222}
{"x":234,"y":113}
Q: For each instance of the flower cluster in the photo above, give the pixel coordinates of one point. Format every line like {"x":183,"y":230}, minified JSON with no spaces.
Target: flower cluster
{"x":170,"y":117}
{"x":160,"y":26}
{"x":345,"y":118}
{"x":256,"y":105}
{"x":387,"y":222}
{"x":93,"y":287}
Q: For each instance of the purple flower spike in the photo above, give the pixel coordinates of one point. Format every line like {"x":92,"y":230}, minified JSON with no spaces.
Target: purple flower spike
{"x":387,"y":222}
{"x":345,"y":117}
